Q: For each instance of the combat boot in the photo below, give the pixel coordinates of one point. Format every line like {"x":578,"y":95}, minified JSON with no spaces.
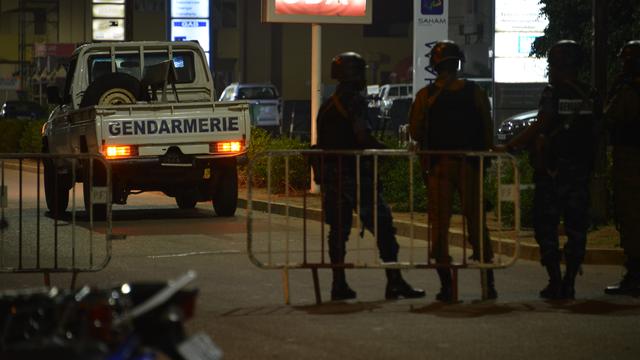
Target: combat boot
{"x":340,"y":290}
{"x":553,"y":291}
{"x":569,"y":280}
{"x":446,"y":288}
{"x":398,"y":287}
{"x":630,"y":284}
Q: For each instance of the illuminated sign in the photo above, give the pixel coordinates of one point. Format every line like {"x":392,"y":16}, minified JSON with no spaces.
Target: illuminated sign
{"x":324,"y":7}
{"x":519,"y":15}
{"x":190,"y":9}
{"x":317,"y":11}
{"x":432,"y":7}
{"x":108,"y":20}
{"x":518,"y":24}
{"x":108,"y":29}
{"x":191,"y":29}
{"x":521,"y":70}
{"x":514,"y":44}
{"x":108,"y":11}
{"x":190,"y":21}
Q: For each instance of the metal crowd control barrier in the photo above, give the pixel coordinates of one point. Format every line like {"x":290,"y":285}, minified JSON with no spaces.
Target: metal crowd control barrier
{"x":35,"y":240}
{"x":289,"y":232}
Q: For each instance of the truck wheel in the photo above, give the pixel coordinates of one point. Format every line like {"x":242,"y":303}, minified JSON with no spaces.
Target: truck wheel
{"x":56,"y":189}
{"x":99,"y":179}
{"x":186,"y":200}
{"x":225,"y":200}
{"x":112,"y":89}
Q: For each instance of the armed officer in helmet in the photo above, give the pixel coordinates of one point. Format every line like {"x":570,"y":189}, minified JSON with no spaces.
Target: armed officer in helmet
{"x":623,"y":120}
{"x":561,"y":144}
{"x":343,"y":125}
{"x":452,"y":114}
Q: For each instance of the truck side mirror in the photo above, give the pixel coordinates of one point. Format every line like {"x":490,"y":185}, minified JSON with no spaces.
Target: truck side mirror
{"x":53,"y":95}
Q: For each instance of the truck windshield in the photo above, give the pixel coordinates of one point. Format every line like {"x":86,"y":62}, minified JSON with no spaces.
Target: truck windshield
{"x":257,"y":92}
{"x":100,"y":65}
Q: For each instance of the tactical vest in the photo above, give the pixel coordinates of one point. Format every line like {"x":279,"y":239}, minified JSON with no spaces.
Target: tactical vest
{"x":335,"y":132}
{"x":571,"y":135}
{"x":454,"y":122}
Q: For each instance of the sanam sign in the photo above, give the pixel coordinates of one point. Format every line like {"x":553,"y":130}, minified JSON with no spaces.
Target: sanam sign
{"x":317,"y":11}
{"x":430,"y":24}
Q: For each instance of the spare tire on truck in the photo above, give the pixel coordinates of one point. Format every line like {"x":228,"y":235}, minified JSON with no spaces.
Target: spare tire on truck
{"x":112,"y":89}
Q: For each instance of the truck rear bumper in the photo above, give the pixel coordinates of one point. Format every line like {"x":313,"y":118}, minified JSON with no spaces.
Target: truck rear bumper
{"x":151,"y":174}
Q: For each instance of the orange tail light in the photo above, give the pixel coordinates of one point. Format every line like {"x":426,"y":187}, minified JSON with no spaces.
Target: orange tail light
{"x":119,"y":151}
{"x":226,"y":147}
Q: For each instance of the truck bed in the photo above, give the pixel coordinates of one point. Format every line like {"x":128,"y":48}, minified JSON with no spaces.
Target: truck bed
{"x":167,"y":124}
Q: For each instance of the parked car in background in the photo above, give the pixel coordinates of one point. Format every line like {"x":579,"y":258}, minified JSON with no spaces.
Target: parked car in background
{"x":390,"y":92}
{"x":23,"y":110}
{"x":515,"y":124}
{"x":265,"y":102}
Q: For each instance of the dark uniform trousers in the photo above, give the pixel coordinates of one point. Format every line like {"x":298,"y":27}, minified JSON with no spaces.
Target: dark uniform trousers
{"x":566,"y":195}
{"x":446,"y":175}
{"x":340,"y":201}
{"x":626,"y":190}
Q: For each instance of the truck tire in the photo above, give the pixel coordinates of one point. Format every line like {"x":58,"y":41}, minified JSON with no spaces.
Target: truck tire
{"x":99,"y":179}
{"x":225,"y":200}
{"x":112,"y":89}
{"x":56,"y":189}
{"x":186,"y":200}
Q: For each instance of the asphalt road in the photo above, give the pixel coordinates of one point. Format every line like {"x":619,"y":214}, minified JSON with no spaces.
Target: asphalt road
{"x":241,"y":306}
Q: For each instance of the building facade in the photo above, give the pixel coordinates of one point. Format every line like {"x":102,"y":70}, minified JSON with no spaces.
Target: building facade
{"x":243,"y":48}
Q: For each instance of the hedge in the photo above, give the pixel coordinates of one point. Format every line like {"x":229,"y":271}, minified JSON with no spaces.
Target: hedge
{"x":299,"y":173}
{"x":394,"y":177}
{"x":20,"y":136}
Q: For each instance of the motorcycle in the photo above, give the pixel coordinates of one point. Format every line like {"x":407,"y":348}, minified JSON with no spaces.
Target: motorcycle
{"x":133,"y":321}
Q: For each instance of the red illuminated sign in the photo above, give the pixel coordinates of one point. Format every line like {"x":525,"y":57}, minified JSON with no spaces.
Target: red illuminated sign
{"x":317,"y":11}
{"x":322,"y":7}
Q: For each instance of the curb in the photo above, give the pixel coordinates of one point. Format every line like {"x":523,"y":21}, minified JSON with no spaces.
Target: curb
{"x":593,"y":256}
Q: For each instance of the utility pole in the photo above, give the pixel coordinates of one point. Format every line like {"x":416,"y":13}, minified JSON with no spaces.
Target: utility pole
{"x":316,"y":81}
{"x":599,"y":195}
{"x":22,"y":45}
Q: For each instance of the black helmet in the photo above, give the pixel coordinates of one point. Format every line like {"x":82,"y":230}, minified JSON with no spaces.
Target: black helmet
{"x":348,"y":66}
{"x":630,"y":55}
{"x":565,"y":53}
{"x":445,"y":50}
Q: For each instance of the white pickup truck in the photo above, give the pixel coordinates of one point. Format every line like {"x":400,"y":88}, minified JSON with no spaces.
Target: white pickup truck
{"x":148,"y":108}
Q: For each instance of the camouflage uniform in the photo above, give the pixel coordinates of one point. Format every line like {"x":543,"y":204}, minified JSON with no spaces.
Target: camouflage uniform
{"x":452,"y":115}
{"x":623,"y":117}
{"x":339,"y":176}
{"x":562,"y":147}
{"x":562,"y":172}
{"x":342,"y":124}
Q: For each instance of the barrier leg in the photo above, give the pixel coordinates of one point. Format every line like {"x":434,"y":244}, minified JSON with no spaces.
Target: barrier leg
{"x":483,"y":284}
{"x":454,"y":284}
{"x":316,"y":285}
{"x":47,"y":279}
{"x":74,"y":278}
{"x":285,"y":285}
